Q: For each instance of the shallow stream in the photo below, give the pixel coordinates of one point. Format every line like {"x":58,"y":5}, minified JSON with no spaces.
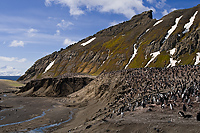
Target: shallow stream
{"x":9,"y":124}
{"x":43,"y":128}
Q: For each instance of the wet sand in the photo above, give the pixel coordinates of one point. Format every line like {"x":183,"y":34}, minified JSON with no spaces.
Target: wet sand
{"x":26,"y":114}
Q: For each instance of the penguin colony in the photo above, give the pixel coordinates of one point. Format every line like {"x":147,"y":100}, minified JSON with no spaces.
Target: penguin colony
{"x":166,"y":88}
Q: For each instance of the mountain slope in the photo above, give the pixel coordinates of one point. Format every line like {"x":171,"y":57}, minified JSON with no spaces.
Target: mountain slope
{"x":137,"y":43}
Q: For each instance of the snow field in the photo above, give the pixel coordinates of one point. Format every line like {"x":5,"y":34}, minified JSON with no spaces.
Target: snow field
{"x":133,"y":56}
{"x":88,"y":42}
{"x":189,"y":24}
{"x":49,"y":66}
{"x":154,"y":55}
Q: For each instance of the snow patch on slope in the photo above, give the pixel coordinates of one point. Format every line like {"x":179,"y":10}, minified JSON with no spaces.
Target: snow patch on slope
{"x":133,"y":56}
{"x":158,"y":22}
{"x":154,"y":55}
{"x":172,"y":61}
{"x":49,"y":66}
{"x":88,"y":42}
{"x":197,"y":59}
{"x":143,"y":34}
{"x":189,"y":24}
{"x":173,"y":27}
{"x":172,"y":51}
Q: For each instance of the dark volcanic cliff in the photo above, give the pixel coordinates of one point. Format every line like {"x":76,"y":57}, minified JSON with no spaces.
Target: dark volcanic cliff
{"x":140,"y":42}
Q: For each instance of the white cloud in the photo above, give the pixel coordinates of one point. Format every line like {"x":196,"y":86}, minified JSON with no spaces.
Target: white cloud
{"x":165,"y":12}
{"x":16,"y":43}
{"x":125,"y":7}
{"x":160,"y":4}
{"x":31,"y":32}
{"x":9,"y":71}
{"x":151,"y":1}
{"x":173,"y":9}
{"x":7,"y":58}
{"x":113,"y":23}
{"x":57,"y":33}
{"x":68,"y":42}
{"x":64,"y":25}
{"x":10,"y":59}
{"x":48,"y":2}
{"x":75,"y":11}
{"x":21,"y":60}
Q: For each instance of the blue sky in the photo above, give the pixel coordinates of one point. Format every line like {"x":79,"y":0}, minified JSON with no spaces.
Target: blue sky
{"x":31,"y":29}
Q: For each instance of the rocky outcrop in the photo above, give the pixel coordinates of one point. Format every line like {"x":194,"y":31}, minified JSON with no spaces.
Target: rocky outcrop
{"x":112,"y":49}
{"x":55,"y":87}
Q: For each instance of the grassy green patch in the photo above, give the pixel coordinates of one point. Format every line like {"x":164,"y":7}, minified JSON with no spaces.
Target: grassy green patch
{"x":138,"y":61}
{"x":188,"y":59}
{"x":13,"y":83}
{"x":162,"y":60}
{"x":112,"y":43}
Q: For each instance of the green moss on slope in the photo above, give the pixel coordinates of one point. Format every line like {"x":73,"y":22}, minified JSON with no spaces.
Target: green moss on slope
{"x":188,"y":59}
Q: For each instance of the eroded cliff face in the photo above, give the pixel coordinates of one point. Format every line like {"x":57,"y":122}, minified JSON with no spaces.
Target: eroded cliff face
{"x":140,"y":42}
{"x":54,"y":87}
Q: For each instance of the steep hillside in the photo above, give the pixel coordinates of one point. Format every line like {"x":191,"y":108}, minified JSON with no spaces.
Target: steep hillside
{"x":140,"y":42}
